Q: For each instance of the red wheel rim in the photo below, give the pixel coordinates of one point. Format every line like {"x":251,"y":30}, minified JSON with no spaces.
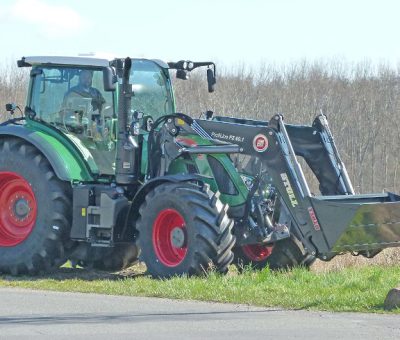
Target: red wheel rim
{"x":168,"y":222}
{"x":18,"y":209}
{"x":257,"y":252}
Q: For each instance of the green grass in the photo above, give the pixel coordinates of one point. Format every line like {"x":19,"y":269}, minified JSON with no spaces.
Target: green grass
{"x":360,"y":289}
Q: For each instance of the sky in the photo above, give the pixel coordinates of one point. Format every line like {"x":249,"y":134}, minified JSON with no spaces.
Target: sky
{"x":230,"y":32}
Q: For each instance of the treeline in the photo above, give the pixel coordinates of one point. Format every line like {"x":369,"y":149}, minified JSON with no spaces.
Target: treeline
{"x":13,"y":83}
{"x":362,"y":102}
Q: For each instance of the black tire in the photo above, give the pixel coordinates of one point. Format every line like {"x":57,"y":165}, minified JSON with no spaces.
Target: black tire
{"x":204,"y":239}
{"x":118,"y":258}
{"x":284,"y":254}
{"x":26,"y":176}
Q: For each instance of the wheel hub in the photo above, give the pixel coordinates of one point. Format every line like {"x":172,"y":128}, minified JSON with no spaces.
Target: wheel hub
{"x":21,"y":208}
{"x":178,"y":238}
{"x":257,"y":252}
{"x":169,"y":237}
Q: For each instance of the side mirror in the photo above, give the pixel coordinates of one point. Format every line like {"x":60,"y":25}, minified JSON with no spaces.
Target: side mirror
{"x":10,"y":107}
{"x":209,"y":114}
{"x":211,"y":80}
{"x":109,"y":79}
{"x":182,"y":74}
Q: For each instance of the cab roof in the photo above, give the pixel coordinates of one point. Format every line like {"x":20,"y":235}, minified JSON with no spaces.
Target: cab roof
{"x":74,"y":61}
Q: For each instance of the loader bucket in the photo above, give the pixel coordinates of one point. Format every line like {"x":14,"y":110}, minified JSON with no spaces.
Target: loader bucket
{"x":359,"y":222}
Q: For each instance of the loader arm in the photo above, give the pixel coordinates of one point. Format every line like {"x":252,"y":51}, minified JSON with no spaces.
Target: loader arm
{"x":335,"y":222}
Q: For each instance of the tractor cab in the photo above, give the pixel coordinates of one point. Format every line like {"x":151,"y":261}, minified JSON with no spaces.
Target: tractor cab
{"x":70,"y":94}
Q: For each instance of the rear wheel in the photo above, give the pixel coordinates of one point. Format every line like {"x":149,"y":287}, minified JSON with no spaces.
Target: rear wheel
{"x":35,"y":210}
{"x":184,"y":229}
{"x":287,"y":253}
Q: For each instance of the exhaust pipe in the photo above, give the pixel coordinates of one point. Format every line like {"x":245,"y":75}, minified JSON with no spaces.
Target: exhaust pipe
{"x":126,"y":164}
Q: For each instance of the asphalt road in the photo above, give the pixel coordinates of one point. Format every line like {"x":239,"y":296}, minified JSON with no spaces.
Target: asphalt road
{"x":26,"y":314}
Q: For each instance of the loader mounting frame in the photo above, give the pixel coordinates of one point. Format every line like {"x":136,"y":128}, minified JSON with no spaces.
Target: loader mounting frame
{"x":333,"y":222}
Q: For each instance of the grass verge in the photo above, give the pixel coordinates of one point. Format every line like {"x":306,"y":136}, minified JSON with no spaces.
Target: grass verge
{"x":360,"y":289}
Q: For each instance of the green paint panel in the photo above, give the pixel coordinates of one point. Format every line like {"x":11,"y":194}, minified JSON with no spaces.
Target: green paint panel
{"x":77,"y":163}
{"x":205,"y":169}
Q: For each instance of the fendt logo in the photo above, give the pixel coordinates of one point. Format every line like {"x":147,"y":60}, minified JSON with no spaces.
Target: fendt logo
{"x":260,"y":143}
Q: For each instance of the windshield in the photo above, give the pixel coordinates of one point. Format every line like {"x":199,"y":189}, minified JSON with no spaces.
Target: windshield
{"x":73,"y":100}
{"x":151,"y":88}
{"x":58,"y":89}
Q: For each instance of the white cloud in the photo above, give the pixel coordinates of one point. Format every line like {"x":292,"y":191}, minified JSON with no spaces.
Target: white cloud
{"x":53,"y":21}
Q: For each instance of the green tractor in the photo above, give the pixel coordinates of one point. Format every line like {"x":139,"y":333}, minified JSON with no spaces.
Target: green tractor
{"x":100,"y":170}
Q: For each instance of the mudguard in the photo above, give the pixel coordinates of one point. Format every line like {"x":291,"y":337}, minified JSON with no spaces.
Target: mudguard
{"x":151,"y":184}
{"x":68,"y":162}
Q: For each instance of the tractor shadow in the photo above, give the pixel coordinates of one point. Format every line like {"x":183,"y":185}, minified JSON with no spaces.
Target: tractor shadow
{"x":84,"y":274}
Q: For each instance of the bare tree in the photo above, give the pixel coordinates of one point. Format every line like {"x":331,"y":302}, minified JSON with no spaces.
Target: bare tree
{"x":362,"y":102}
{"x":13,"y":83}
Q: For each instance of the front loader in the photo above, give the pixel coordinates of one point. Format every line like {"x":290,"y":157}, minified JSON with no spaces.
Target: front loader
{"x":105,"y":181}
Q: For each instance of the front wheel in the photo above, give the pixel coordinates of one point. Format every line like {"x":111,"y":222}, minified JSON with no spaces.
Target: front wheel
{"x":184,"y":229}
{"x":285,"y":254}
{"x":254,"y":255}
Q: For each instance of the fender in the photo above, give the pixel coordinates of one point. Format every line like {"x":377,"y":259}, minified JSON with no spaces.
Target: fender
{"x":66,"y":160}
{"x":151,"y":184}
